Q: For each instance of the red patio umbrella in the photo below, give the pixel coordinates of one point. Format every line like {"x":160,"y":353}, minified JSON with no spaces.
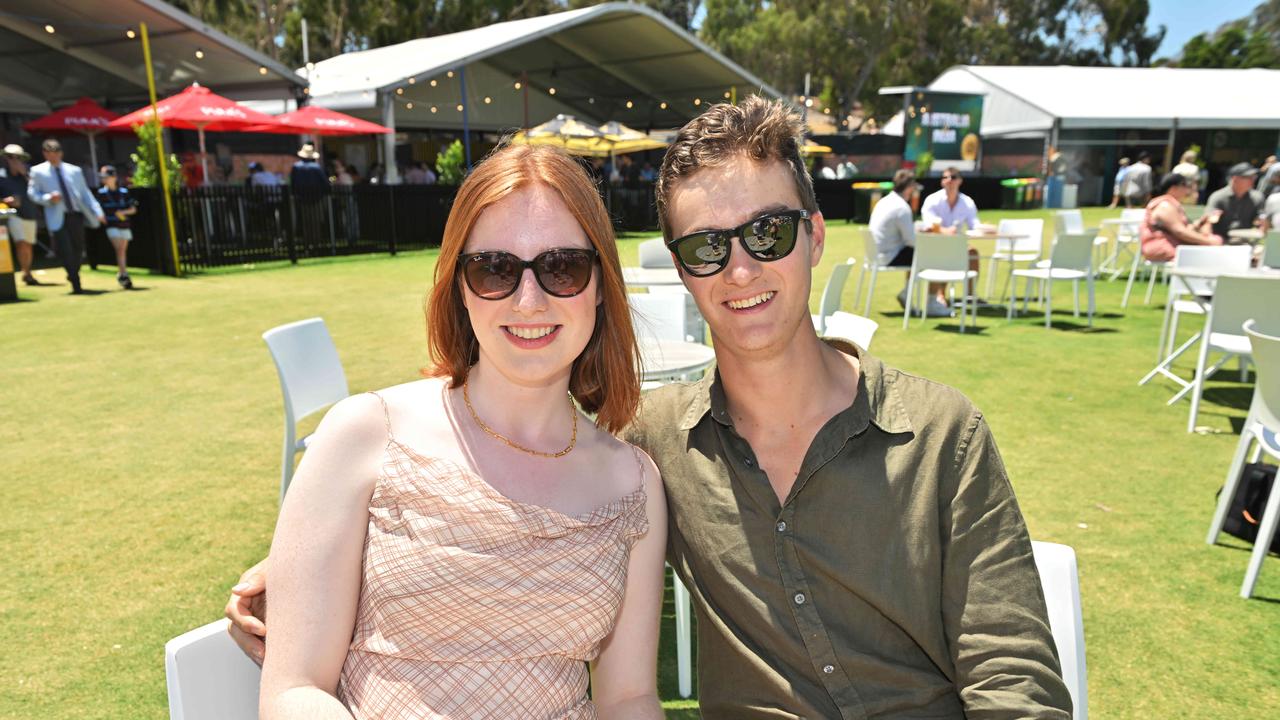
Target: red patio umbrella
{"x":85,"y":116}
{"x":315,"y":120}
{"x":196,"y":108}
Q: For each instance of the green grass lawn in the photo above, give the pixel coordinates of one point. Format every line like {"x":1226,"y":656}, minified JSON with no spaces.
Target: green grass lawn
{"x":141,"y":457}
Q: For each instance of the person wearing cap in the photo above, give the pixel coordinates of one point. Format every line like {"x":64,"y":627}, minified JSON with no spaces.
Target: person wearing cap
{"x":13,"y":192}
{"x":1237,"y":205}
{"x":119,"y":206}
{"x":68,"y":204}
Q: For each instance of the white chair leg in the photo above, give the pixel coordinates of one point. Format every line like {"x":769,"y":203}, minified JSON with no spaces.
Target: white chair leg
{"x":1165,"y":337}
{"x":1262,"y":545}
{"x":1151,"y":284}
{"x":1232,"y":482}
{"x":1244,"y":368}
{"x":964,"y":305}
{"x":857,"y":296}
{"x":911,"y":294}
{"x":871,"y":291}
{"x":991,"y":276}
{"x":1048,"y":302}
{"x":1089,"y":282}
{"x":684,"y":638}
{"x":1075,"y":297}
{"x":1128,"y":286}
{"x":1197,"y":385}
{"x":286,"y":464}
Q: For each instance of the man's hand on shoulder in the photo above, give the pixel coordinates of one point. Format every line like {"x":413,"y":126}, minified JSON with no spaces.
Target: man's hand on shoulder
{"x":247,"y":611}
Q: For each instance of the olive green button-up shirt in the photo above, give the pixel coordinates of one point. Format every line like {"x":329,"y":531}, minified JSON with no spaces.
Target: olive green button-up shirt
{"x":896,"y":581}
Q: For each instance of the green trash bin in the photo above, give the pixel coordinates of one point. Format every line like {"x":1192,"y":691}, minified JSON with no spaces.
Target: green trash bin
{"x":1020,"y":193}
{"x":865,"y":197}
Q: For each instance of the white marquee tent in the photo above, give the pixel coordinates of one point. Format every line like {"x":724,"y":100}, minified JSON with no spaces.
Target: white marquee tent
{"x":616,"y":61}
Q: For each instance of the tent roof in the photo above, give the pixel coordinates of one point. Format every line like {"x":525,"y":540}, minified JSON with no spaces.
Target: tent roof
{"x":1021,"y":99}
{"x":89,"y":54}
{"x":596,"y":59}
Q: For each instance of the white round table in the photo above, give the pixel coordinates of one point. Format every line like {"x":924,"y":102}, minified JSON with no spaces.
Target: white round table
{"x":645,"y":277}
{"x":672,"y":359}
{"x":1249,"y":235}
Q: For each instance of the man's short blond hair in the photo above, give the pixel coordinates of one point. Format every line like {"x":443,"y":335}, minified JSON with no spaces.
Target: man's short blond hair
{"x":759,"y":129}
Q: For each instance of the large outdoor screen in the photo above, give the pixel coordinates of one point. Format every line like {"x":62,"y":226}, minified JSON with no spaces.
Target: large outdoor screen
{"x":945,"y":125}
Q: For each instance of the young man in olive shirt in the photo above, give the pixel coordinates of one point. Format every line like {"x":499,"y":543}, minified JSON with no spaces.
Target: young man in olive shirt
{"x":846,"y":530}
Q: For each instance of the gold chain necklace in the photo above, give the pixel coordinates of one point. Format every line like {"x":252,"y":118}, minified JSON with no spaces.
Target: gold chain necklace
{"x":573,"y":412}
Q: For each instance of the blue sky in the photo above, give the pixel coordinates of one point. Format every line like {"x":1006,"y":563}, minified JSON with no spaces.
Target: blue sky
{"x":1188,"y":18}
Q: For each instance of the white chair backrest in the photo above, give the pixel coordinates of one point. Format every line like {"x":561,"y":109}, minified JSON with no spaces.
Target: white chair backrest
{"x":1060,"y":580}
{"x":1031,"y":228}
{"x":834,"y":289}
{"x":1238,"y":299}
{"x":660,"y":316}
{"x":941,"y":252}
{"x":1219,"y":258}
{"x":1129,"y":230}
{"x":311,"y":375}
{"x":854,"y":328}
{"x":1271,"y":249}
{"x":1072,"y":251}
{"x":209,"y":678}
{"x":654,"y":254}
{"x":1068,"y":222}
{"x":870,"y":253}
{"x":1266,"y":358}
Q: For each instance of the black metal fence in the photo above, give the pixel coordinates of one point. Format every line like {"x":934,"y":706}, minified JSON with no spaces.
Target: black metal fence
{"x":231,"y":225}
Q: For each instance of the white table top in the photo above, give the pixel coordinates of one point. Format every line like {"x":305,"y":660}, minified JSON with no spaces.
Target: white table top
{"x":1121,"y":221}
{"x":669,"y":358}
{"x":644,"y":277}
{"x":1246,"y":234}
{"x":996,"y":235}
{"x":1209,"y":273}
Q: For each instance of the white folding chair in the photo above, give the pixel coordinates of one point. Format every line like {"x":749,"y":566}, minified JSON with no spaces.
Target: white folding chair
{"x":1222,"y":259}
{"x":1060,"y":580}
{"x":939,"y":259}
{"x":1071,"y":259}
{"x":871,"y":264}
{"x":311,"y":379}
{"x":654,"y":254}
{"x":854,"y":328}
{"x":1262,"y":426}
{"x":1153,"y":268}
{"x":1236,"y":299}
{"x":209,"y":677}
{"x":831,"y":293}
{"x":1026,"y":248}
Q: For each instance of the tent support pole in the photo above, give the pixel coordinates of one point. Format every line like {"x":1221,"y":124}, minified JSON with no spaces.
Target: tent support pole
{"x":466,"y":129}
{"x":389,"y":139}
{"x":164,"y":166}
{"x":1168,"y":149}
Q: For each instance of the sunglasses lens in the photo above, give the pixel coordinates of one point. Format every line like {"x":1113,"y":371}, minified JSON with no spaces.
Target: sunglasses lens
{"x":492,"y":276}
{"x":564,"y":273}
{"x":703,"y":253}
{"x":771,"y":237}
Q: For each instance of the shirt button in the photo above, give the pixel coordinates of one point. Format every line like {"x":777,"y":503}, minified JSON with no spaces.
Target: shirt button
{"x":782,"y":526}
{"x":828,"y":669}
{"x":799,"y":598}
{"x":749,"y":462}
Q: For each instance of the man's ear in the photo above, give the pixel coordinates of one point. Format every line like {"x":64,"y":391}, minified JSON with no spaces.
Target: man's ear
{"x":817,"y":239}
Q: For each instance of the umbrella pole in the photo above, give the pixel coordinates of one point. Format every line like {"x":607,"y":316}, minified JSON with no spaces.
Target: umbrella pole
{"x":93,"y":154}
{"x":204,"y":158}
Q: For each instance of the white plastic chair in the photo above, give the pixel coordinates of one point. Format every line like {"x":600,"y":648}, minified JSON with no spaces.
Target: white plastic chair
{"x":1222,"y":259}
{"x":1153,"y":268}
{"x":209,"y":677}
{"x":1071,"y":259}
{"x":939,"y":259}
{"x":1271,"y":250}
{"x":871,"y":264}
{"x":660,"y":316}
{"x":1262,"y":426}
{"x":1126,"y":239}
{"x":311,"y":379}
{"x":1236,"y":299}
{"x":1027,"y":248}
{"x":831,"y":293}
{"x":854,"y":328}
{"x":654,"y":254}
{"x":1071,"y":222}
{"x":1060,"y":580}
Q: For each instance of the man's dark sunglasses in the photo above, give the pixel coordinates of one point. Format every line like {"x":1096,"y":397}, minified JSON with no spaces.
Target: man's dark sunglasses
{"x":767,"y":238}
{"x":562,"y":272}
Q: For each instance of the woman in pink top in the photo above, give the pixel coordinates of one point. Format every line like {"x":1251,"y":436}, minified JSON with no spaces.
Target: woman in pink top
{"x":1165,"y":226}
{"x":466,"y":545}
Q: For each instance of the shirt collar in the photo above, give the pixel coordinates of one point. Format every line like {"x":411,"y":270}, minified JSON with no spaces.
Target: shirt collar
{"x":876,"y":403}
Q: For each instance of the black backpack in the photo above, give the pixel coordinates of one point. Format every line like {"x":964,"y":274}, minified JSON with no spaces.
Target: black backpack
{"x":1246,"y":507}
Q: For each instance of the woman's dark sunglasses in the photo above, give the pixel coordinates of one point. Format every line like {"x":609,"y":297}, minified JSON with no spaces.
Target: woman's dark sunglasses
{"x":767,"y":238}
{"x":495,"y":275}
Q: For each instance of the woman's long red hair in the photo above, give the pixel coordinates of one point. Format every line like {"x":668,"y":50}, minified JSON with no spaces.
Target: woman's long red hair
{"x":605,"y":378}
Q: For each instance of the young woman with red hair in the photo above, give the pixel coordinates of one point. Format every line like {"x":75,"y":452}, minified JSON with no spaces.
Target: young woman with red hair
{"x":464,"y":545}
